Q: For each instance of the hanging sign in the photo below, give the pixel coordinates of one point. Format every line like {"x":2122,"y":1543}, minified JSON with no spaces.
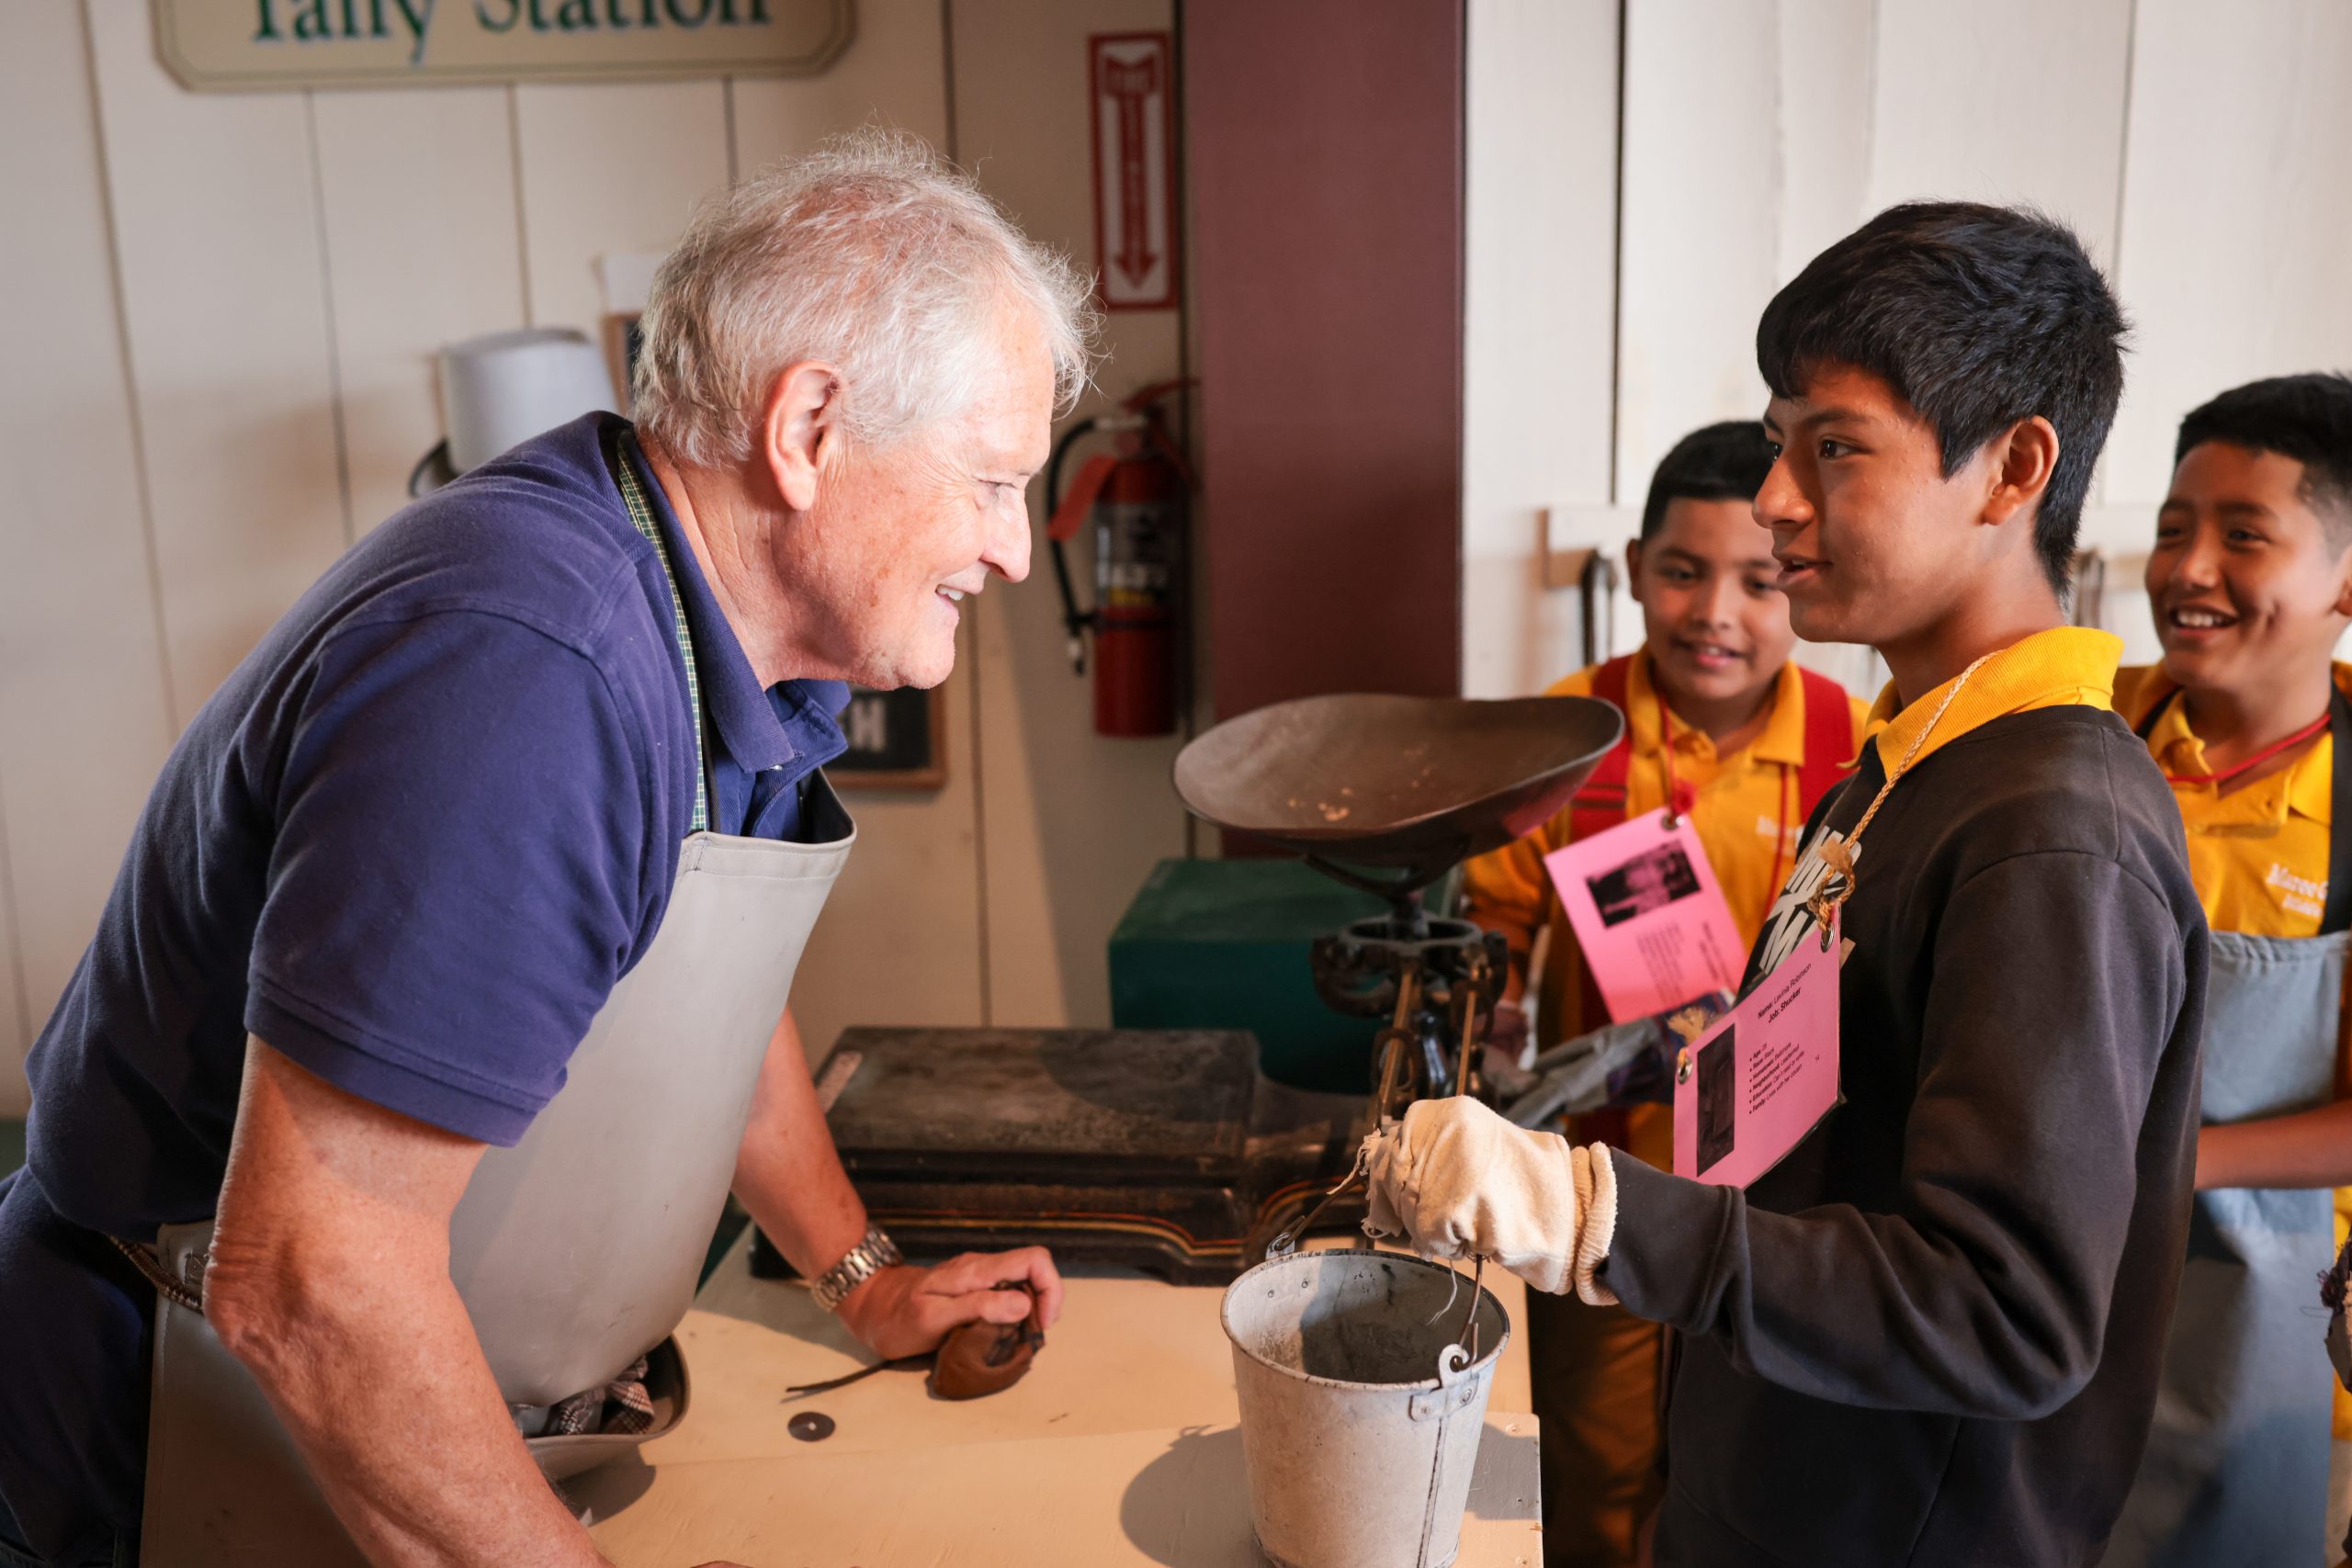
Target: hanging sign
{"x":242,"y":45}
{"x":897,"y":740}
{"x":1762,"y":1076}
{"x":1135,"y":160}
{"x":1649,"y":916}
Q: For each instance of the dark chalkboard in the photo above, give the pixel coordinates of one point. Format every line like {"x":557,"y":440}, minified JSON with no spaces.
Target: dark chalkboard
{"x":896,"y":740}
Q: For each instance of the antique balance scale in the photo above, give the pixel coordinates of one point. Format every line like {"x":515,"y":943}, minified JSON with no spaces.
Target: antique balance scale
{"x":1166,"y":1149}
{"x":1387,"y":793}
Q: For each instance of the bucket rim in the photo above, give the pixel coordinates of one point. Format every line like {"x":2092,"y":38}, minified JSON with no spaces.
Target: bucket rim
{"x":1488,"y":1355}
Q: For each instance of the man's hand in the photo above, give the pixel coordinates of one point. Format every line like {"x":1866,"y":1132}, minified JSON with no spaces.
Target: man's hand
{"x":1456,"y":1180}
{"x":790,"y":1175}
{"x":906,"y":1311}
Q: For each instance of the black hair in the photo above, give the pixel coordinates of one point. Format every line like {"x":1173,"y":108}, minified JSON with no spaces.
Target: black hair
{"x":1978,"y":317}
{"x":2307,"y":417}
{"x":1716,"y":462}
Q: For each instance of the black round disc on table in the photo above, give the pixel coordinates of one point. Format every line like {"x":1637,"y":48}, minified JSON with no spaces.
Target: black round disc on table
{"x":810,"y":1427}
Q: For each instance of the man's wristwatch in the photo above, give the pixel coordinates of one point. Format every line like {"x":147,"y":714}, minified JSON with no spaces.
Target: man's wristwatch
{"x":873,"y":1254}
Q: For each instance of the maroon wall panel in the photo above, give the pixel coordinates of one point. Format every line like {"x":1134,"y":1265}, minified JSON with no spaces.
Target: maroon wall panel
{"x":1324,"y":154}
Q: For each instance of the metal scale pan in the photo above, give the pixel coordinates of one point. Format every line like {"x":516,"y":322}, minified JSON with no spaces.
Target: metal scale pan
{"x":1410,"y":786}
{"x":1387,"y":793}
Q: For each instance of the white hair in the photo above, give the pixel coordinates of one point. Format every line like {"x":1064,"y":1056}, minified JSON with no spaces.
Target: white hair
{"x":873,"y":253}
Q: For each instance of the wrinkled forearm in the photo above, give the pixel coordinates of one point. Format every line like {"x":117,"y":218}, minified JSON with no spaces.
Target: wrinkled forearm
{"x":788,"y":1172}
{"x":377,"y":1373}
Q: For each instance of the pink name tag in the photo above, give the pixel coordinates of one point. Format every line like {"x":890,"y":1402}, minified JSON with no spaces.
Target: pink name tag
{"x":1649,"y":916}
{"x":1752,"y":1086}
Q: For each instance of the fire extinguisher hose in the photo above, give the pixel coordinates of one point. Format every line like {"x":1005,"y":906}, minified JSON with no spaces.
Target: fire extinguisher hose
{"x":1075,"y":621}
{"x":1067,"y":514}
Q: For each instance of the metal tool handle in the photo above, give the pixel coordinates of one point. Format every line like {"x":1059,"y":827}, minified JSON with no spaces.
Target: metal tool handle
{"x":1286,"y":1240}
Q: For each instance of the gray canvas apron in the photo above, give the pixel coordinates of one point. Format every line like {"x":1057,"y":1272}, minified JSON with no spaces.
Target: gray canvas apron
{"x":576,"y":1252}
{"x":2236,"y":1467}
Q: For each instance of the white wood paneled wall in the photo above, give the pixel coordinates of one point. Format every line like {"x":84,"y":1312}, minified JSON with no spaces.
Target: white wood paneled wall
{"x":2198,"y":146}
{"x":1539,"y":302}
{"x":85,"y":692}
{"x":226,"y":309}
{"x":2237,"y":250}
{"x":1070,"y":825}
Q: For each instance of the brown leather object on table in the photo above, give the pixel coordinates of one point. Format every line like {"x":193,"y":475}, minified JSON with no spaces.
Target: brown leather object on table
{"x":981,"y":1358}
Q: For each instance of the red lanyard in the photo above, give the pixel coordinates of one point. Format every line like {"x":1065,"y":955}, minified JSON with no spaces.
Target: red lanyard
{"x":1780,"y":838}
{"x":2288,"y":744}
{"x":1680,"y":797}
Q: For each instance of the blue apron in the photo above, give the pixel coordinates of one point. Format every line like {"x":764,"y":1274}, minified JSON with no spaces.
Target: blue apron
{"x":2237,"y":1465}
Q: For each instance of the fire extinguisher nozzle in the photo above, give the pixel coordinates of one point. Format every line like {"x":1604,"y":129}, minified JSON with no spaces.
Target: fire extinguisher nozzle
{"x":1078,"y":656}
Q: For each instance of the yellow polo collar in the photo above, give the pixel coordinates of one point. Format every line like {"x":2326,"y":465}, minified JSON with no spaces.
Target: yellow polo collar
{"x":2065,"y":665}
{"x":2310,"y":783}
{"x":1780,"y":741}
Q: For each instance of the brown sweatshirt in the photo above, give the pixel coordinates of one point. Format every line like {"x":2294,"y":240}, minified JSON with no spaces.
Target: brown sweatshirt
{"x":1931,"y":1336}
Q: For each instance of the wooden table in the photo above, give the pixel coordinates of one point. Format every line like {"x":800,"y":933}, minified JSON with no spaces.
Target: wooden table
{"x":1121,"y":1447}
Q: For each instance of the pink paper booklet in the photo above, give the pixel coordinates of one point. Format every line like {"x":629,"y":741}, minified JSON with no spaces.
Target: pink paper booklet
{"x":1649,"y":916}
{"x":1751,"y":1087}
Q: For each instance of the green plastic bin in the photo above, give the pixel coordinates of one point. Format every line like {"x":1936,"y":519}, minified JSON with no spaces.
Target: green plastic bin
{"x":1222,"y":945}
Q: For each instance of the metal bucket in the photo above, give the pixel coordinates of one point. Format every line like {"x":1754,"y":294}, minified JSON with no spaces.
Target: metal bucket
{"x":1360,"y":1407}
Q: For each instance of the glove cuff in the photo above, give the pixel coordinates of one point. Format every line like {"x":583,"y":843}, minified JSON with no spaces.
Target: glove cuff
{"x":1597,"y":1212}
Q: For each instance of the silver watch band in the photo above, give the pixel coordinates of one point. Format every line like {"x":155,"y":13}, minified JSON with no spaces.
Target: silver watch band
{"x":873,"y":1253}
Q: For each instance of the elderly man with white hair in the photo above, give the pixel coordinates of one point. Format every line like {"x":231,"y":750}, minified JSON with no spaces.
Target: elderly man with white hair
{"x":440,"y":999}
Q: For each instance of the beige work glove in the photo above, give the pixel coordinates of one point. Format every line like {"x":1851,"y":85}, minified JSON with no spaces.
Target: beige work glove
{"x":1454,"y":1180}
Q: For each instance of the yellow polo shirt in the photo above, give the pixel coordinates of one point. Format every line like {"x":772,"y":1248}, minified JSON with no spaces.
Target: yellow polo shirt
{"x":2257,"y":855}
{"x":1745,"y":805}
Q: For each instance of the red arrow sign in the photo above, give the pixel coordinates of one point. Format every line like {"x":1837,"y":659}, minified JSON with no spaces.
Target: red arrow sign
{"x":1134,"y":199}
{"x":1132,"y":87}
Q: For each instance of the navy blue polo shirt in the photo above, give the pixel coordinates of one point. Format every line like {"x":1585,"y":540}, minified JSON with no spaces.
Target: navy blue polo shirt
{"x":412,"y":842}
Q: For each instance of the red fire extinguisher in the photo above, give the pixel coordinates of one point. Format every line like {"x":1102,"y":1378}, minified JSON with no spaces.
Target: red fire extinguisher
{"x":1136,"y":496}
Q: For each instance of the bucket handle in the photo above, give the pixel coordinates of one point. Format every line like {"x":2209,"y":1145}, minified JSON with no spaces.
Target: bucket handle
{"x":1457,"y":1387}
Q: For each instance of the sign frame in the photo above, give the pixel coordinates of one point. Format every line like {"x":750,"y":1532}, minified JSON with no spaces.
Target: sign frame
{"x":1131,"y":296}
{"x":838,"y":19}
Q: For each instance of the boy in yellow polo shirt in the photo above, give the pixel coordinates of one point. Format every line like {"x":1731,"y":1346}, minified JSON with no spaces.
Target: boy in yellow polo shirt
{"x":2251,"y":584}
{"x":1720,"y":722}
